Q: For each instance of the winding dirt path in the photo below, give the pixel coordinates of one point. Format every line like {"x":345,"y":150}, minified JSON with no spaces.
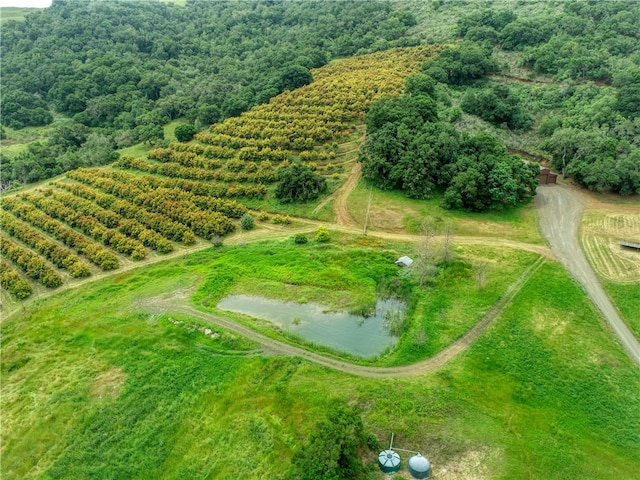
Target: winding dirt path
{"x":269,"y":346}
{"x":559,"y":215}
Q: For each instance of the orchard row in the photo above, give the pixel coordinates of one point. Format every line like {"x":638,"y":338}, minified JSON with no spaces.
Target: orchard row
{"x":99,"y":216}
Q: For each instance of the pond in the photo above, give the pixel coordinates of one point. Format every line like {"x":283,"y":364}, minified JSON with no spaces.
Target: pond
{"x":354,"y":334}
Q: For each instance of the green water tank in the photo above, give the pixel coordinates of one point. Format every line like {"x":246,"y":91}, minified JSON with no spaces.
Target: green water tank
{"x":389,"y":461}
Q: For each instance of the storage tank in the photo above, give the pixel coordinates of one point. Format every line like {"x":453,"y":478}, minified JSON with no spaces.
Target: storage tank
{"x":419,"y":466}
{"x":389,"y":461}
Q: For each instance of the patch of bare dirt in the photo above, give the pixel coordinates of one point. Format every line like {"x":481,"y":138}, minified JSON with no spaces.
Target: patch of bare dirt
{"x":108,"y":384}
{"x":471,"y":465}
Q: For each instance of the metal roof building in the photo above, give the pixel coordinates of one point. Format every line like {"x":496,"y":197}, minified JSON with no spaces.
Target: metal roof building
{"x":404,"y":261}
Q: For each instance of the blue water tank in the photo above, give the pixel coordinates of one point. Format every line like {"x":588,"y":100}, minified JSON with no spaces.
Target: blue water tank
{"x":419,"y":467}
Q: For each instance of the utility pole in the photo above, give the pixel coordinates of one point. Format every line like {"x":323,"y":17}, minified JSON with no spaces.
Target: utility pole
{"x":366,"y":217}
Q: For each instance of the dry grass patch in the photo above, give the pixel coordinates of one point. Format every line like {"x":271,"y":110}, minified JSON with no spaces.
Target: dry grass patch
{"x":602,"y":230}
{"x":108,"y":384}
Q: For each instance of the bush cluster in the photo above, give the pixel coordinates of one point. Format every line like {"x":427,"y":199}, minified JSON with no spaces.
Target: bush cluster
{"x":31,"y":264}
{"x":59,"y":256}
{"x":13,"y":283}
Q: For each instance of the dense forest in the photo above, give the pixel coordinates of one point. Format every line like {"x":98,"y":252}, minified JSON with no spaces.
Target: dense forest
{"x":559,"y":80}
{"x":589,"y":125}
{"x":409,"y":148}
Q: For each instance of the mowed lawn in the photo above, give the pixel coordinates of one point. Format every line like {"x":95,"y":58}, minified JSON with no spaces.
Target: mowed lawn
{"x":93,"y":386}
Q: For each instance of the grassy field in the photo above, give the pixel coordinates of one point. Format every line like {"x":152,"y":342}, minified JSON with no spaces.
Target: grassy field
{"x":94,"y":387}
{"x":627,"y":299}
{"x":14,"y":13}
{"x":18,"y":140}
{"x":392,"y":211}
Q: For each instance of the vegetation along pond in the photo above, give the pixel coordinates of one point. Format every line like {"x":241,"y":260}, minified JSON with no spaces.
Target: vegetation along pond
{"x":354,"y":334}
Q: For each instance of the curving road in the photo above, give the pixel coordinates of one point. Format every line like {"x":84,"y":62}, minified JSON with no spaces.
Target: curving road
{"x":559,"y":216}
{"x":269,"y":346}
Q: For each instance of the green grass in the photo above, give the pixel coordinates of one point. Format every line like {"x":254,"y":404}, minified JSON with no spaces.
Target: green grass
{"x":18,"y":140}
{"x":449,"y":308}
{"x":94,"y":387}
{"x":627,"y":298}
{"x":137,"y":150}
{"x":14,"y":13}
{"x":271,"y":204}
{"x":393,"y":210}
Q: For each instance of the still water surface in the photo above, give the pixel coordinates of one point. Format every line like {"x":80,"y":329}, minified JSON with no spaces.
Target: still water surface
{"x":357,"y":335}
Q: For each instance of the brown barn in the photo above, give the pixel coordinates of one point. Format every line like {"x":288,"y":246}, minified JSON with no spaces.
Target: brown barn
{"x":546,"y":177}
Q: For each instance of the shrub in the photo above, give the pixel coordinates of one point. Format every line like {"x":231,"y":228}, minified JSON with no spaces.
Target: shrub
{"x":263,"y":216}
{"x":322,"y":235}
{"x":246,"y":222}
{"x":300,"y":239}
{"x":138,"y":253}
{"x":216,"y":240}
{"x":281,"y":219}
{"x":185,"y":132}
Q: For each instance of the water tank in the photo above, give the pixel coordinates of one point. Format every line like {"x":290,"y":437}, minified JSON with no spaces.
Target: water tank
{"x":419,"y":466}
{"x":389,"y":461}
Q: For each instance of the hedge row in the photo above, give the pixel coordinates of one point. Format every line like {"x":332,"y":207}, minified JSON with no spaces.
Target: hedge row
{"x":129,"y":183}
{"x":208,"y":151}
{"x":130,"y":227}
{"x":90,"y":226}
{"x":59,"y":256}
{"x":13,"y":283}
{"x":175,"y":170}
{"x":274,"y":142}
{"x":186,"y":159}
{"x":130,"y":211}
{"x":33,"y":265}
{"x":201,"y":222}
{"x":96,"y":253}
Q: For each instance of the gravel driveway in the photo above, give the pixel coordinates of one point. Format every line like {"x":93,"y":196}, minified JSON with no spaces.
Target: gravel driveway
{"x":559,"y":215}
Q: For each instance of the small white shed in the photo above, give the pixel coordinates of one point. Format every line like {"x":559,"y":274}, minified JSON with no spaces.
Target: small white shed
{"x":404,"y":261}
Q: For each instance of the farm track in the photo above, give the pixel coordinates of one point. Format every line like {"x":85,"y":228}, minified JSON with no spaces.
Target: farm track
{"x":559,"y":212}
{"x":559,"y":215}
{"x":177,"y":304}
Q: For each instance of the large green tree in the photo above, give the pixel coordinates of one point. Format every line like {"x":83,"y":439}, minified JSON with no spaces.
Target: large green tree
{"x":332,"y":450}
{"x":298,"y":183}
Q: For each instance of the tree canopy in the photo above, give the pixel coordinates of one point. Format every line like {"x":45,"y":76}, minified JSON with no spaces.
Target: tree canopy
{"x":298,"y":183}
{"x":408,"y":148}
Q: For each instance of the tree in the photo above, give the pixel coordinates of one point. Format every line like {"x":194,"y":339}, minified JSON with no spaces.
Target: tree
{"x":332,"y":450}
{"x":420,"y":84}
{"x":461,"y":65}
{"x":185,"y":132}
{"x":298,"y":183}
{"x":480,"y":273}
{"x":628,"y":93}
{"x":246,"y":222}
{"x":294,"y":76}
{"x":427,"y":255}
{"x":322,"y":235}
{"x":22,"y":109}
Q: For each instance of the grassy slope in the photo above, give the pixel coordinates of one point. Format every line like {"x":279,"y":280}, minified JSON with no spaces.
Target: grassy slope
{"x":94,"y":387}
{"x":627,"y":298}
{"x":391,"y":210}
{"x":14,"y":13}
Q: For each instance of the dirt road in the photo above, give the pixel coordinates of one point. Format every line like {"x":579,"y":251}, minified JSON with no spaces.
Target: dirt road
{"x":559,"y":214}
{"x":181,"y":304}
